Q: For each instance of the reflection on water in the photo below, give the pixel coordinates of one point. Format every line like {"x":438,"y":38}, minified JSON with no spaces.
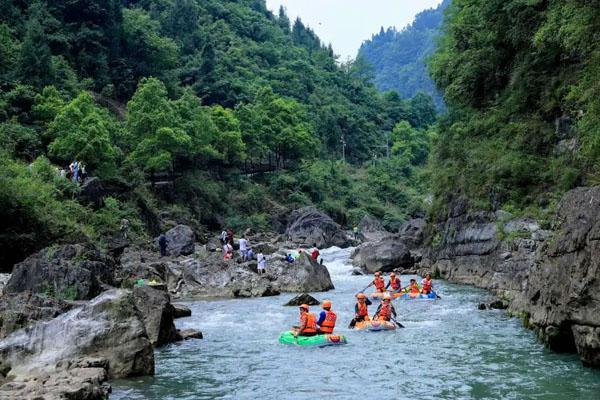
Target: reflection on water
{"x":448,"y":350}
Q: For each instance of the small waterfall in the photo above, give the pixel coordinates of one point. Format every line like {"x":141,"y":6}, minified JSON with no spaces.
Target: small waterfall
{"x":338,"y":261}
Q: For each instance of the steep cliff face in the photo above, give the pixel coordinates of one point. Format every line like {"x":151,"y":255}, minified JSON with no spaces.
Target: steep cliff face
{"x":550,"y":278}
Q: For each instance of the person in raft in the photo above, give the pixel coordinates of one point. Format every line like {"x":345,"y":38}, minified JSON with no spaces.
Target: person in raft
{"x":413,"y":289}
{"x":327,"y":318}
{"x":308,"y":323}
{"x":361,"y":312}
{"x":394,"y":283}
{"x":385,"y":310}
{"x":378,"y":282}
{"x":427,"y":284}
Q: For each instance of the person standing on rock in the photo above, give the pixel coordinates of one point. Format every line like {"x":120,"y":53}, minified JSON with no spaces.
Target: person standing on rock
{"x":308,"y":323}
{"x":162,"y":244}
{"x":244,"y":248}
{"x":124,"y":228}
{"x":314,"y":253}
{"x":327,"y":318}
{"x":223,"y":237}
{"x":356,"y":232}
{"x":262,"y":263}
{"x":230,"y":236}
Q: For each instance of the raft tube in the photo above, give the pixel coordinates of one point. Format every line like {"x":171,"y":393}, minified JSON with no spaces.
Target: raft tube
{"x":375,"y":326}
{"x":410,"y":296}
{"x":318,"y":340}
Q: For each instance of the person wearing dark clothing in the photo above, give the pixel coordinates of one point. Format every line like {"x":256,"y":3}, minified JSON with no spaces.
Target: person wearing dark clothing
{"x":230,"y":236}
{"x":162,"y":243}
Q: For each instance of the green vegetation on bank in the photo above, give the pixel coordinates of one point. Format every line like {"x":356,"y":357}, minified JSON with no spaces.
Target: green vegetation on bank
{"x":207,"y":112}
{"x":521,"y":83}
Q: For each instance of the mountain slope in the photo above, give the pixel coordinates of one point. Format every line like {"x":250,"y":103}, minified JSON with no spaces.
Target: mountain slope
{"x":399,"y":58}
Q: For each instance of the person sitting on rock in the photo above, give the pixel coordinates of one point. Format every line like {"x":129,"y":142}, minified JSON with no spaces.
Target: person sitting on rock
{"x":427,"y":284}
{"x":361,"y":311}
{"x":378,"y":282}
{"x":228,"y":251}
{"x":327,"y":318}
{"x":250,"y":254}
{"x":314,"y":253}
{"x":308,"y":323}
{"x":289,"y":258}
{"x":394,"y":283}
{"x":385,"y":310}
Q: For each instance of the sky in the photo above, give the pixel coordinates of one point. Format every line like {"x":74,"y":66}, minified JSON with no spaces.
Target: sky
{"x":347,"y":23}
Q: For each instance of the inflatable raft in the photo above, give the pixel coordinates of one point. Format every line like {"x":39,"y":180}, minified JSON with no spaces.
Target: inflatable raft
{"x":377,"y":296}
{"x":375,"y":326}
{"x":318,"y":340}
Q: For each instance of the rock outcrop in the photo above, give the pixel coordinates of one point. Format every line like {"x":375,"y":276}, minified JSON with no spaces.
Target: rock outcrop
{"x":157,"y":314}
{"x":74,"y":272}
{"x":180,"y":241}
{"x":181,"y":311}
{"x":106,"y":333}
{"x":308,"y":226}
{"x":20,"y":310}
{"x":303,"y":298}
{"x":385,"y":255}
{"x":552,"y":278}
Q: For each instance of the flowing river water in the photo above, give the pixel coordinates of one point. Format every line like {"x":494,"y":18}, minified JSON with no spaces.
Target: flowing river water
{"x":448,"y":350}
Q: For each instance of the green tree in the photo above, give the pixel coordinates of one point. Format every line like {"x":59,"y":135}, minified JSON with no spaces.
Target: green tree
{"x":35,"y":64}
{"x":228,"y":141}
{"x":47,"y":105}
{"x":83,"y":131}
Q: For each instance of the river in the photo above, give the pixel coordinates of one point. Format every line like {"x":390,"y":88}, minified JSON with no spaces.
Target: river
{"x":448,"y":350}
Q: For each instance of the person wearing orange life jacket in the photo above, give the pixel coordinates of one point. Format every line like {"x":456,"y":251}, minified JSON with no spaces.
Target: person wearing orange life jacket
{"x":427,"y":284}
{"x":394,"y":283}
{"x":327,"y":318}
{"x":361,"y":311}
{"x":413,"y":288}
{"x":308,"y":323}
{"x":385,"y":310}
{"x":378,"y":282}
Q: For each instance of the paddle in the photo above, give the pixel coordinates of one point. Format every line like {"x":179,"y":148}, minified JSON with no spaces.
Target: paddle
{"x":397,"y":323}
{"x":362,"y":291}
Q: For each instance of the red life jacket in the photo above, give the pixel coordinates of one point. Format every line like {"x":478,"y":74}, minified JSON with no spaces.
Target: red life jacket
{"x":379,"y":284}
{"x":395,"y":283}
{"x":414,"y":289}
{"x":329,"y":322}
{"x":311,"y":322}
{"x":427,"y":285}
{"x":385,"y":312}
{"x":315,"y":254}
{"x":362,"y":309}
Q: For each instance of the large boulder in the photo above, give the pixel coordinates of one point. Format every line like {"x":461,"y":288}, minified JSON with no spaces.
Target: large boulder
{"x":303,"y":298}
{"x":157,"y":313}
{"x":73,"y":272}
{"x":412,"y":232}
{"x":180,"y":241}
{"x":304,"y":275}
{"x":386,"y":255}
{"x":309,"y":226}
{"x":92,"y":192}
{"x":107,"y":328}
{"x":371,"y":229}
{"x":20,"y":310}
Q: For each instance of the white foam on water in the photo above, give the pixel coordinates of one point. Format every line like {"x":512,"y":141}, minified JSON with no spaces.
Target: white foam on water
{"x":338,"y":261}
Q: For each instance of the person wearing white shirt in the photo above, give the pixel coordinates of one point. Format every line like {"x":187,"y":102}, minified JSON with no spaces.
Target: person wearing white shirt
{"x":262,"y":263}
{"x":244,"y":248}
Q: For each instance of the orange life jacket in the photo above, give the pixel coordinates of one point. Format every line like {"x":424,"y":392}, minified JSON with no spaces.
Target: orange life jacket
{"x":414,"y":289}
{"x":379,"y":284}
{"x":329,"y":322}
{"x":427,"y":284}
{"x":395,"y":283}
{"x":385,"y":312}
{"x":311,"y":322}
{"x":362,"y":310}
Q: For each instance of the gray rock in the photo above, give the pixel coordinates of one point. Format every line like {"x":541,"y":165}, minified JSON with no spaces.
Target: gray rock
{"x":74,"y":272}
{"x":20,"y":310}
{"x":357,"y":271}
{"x":370,"y":224}
{"x":412,"y":232}
{"x":107,"y":328}
{"x":157,"y":314}
{"x":181,"y":311}
{"x":482,"y":306}
{"x":385,"y":256}
{"x":186,"y":334}
{"x":92,"y":192}
{"x":303,"y":299}
{"x":308,"y":226}
{"x":180,"y":241}
{"x":498,"y":305}
{"x":587,"y":341}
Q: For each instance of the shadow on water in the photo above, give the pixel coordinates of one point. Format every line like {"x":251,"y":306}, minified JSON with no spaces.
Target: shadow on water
{"x":448,"y":350}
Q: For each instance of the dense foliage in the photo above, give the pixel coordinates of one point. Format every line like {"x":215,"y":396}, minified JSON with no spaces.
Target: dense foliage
{"x":521,"y":82}
{"x":399,"y":58}
{"x":198,"y":111}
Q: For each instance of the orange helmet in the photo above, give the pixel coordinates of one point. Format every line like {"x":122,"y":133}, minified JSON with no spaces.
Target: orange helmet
{"x":326,"y":303}
{"x":387,"y":296}
{"x":305,"y":306}
{"x":361,"y":296}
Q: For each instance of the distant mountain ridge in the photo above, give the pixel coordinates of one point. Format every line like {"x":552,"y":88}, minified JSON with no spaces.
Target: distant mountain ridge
{"x":399,"y":58}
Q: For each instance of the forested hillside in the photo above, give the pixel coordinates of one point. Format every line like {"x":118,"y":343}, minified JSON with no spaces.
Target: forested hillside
{"x":399,"y":58}
{"x":521,"y":82}
{"x":212,"y":112}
